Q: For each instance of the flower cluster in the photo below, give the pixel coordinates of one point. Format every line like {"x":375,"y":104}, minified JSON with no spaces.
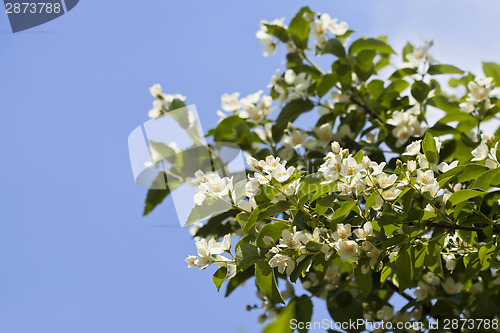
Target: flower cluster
{"x":479,"y":93}
{"x":211,"y":252}
{"x":324,"y":24}
{"x":212,"y":184}
{"x":420,"y":55}
{"x":266,"y":39}
{"x":487,"y":151}
{"x":253,"y":107}
{"x":406,"y":124}
{"x":161,"y":100}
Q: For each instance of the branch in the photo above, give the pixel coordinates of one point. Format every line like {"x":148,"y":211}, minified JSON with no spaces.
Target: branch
{"x":367,"y":109}
{"x":496,"y":228}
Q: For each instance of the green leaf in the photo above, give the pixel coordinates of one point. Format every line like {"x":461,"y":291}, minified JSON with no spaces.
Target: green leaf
{"x":299,"y":28}
{"x":444,"y":103}
{"x":266,"y":281}
{"x":326,"y":83}
{"x":278,"y":32}
{"x":464,"y":195}
{"x":364,"y":281}
{"x":342,"y":306}
{"x":246,"y":255}
{"x":492,"y":69}
{"x":324,"y":203}
{"x":303,"y":311}
{"x":273,"y":209}
{"x":405,"y":268}
{"x":219,"y":277}
{"x":484,"y":181}
{"x":272,"y":230}
{"x":239,"y":279}
{"x":370,"y":44}
{"x":335,"y":47}
{"x":209,"y":207}
{"x":407,"y":50}
{"x":400,"y":73}
{"x":342,"y":212}
{"x":420,"y":90}
{"x":154,"y":198}
{"x":429,"y":148}
{"x":290,"y":112}
{"x":443,"y":69}
{"x":282,"y":322}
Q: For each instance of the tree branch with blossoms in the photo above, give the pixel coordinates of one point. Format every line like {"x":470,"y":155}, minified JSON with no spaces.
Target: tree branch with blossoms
{"x":371,"y":199}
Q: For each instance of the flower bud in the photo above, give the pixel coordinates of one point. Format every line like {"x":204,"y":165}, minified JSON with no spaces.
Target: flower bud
{"x":412,"y":166}
{"x":252,"y":163}
{"x":366,"y":162}
{"x":262,"y":319}
{"x":335,"y":147}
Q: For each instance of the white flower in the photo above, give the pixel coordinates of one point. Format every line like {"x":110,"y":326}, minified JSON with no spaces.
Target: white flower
{"x":296,"y":138}
{"x":252,"y":187}
{"x":155,"y":112}
{"x":432,"y":278}
{"x":423,"y":162}
{"x":252,"y":163}
{"x":467,"y":107}
{"x":291,"y":188}
{"x":230,"y":102}
{"x":476,"y":288}
{"x":425,"y":178}
{"x":348,"y":249}
{"x":413,"y":148}
{"x":406,"y":125}
{"x":266,"y":40}
{"x":291,"y":239}
{"x":385,"y":181}
{"x":324,"y":133}
{"x":281,"y":173}
{"x":429,"y":208}
{"x":333,"y":274}
{"x":219,"y":186}
{"x":477,"y":92}
{"x":451,"y":262}
{"x":411,"y":166}
{"x":391,"y":194}
{"x":386,"y":313}
{"x":155,"y":91}
{"x":481,"y":152}
{"x":364,"y":232}
{"x":336,"y":147}
{"x":212,"y":184}
{"x":419,"y":55}
{"x":451,"y":287}
{"x":444,"y":167}
{"x":325,"y":108}
{"x":282,"y":262}
{"x":423,"y":291}
{"x":192,"y":261}
{"x":263,"y":179}
{"x":377,"y":168}
{"x":343,"y":231}
{"x":270,"y":163}
{"x":350,"y":167}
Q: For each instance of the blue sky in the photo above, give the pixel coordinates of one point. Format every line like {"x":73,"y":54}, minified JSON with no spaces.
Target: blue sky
{"x":75,"y":253}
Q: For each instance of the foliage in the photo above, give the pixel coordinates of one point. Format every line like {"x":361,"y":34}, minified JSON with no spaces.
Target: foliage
{"x":375,"y":199}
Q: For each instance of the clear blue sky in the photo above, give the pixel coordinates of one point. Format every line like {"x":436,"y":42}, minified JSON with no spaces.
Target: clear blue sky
{"x":75,"y":254}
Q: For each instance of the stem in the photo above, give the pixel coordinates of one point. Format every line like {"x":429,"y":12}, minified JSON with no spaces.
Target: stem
{"x":305,"y":57}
